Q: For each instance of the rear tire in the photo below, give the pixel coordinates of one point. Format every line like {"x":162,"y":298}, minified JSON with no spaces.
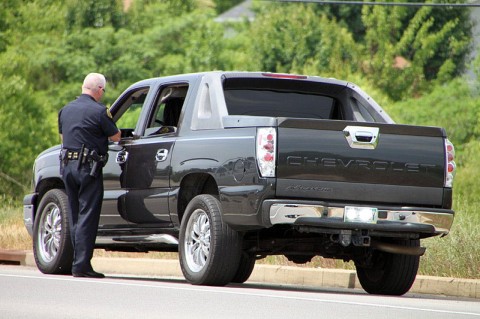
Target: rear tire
{"x":209,"y":250}
{"x":52,"y":246}
{"x":245,"y":268}
{"x":390,"y":274}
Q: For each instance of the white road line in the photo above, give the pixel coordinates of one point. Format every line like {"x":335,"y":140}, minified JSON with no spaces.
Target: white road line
{"x":236,"y":292}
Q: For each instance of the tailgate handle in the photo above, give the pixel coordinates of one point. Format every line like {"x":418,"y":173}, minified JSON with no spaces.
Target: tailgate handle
{"x":362,"y":137}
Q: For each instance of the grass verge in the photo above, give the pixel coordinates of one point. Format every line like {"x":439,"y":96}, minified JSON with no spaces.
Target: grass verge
{"x":458,"y":253}
{"x":13,"y":234}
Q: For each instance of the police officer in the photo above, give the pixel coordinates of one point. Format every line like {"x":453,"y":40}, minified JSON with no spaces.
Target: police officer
{"x":85,"y":126}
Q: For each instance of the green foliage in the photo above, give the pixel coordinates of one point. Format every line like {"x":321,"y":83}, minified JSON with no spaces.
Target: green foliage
{"x":349,"y":17}
{"x":23,"y":133}
{"x":466,"y":180}
{"x":432,"y":44}
{"x":94,"y":14}
{"x":293,"y":38}
{"x":453,"y":106}
{"x":224,"y":5}
{"x":144,"y":14}
{"x":200,"y":49}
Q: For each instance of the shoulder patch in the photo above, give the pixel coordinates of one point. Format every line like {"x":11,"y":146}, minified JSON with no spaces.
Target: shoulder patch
{"x":109,"y":114}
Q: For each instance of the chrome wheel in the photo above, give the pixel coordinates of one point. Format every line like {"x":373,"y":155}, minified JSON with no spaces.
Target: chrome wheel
{"x":208,"y":249}
{"x":197,"y":240}
{"x":49,"y":234}
{"x":52,"y":246}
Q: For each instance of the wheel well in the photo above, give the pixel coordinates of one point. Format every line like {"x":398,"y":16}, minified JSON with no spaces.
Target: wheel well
{"x":46,"y":185}
{"x":193,"y":185}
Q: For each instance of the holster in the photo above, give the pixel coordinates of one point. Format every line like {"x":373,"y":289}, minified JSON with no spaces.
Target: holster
{"x":63,"y":160}
{"x":97,"y":162}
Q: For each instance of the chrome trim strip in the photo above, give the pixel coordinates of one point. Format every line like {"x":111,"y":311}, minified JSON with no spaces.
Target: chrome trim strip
{"x":136,"y":239}
{"x":289,"y":213}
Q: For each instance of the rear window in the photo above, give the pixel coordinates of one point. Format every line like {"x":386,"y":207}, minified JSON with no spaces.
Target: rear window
{"x":273,"y":103}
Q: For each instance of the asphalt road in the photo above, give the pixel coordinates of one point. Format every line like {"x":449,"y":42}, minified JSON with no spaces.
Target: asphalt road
{"x":26,"y":293}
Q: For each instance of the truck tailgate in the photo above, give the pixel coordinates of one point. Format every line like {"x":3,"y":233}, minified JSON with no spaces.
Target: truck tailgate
{"x":360,"y":162}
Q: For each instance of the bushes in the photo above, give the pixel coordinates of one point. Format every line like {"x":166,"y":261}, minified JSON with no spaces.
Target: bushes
{"x":453,"y":105}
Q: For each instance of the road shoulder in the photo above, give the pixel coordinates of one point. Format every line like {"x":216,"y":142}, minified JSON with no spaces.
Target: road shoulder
{"x":289,"y":275}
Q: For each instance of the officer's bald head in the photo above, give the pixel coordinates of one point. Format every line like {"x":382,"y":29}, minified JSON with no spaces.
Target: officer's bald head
{"x":94,"y":85}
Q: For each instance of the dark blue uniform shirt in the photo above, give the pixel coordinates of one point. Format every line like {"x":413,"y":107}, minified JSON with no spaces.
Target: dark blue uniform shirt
{"x":85,"y":121}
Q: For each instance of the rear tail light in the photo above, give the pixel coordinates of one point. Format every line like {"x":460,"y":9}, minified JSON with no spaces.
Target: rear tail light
{"x":266,"y":151}
{"x":450,"y":163}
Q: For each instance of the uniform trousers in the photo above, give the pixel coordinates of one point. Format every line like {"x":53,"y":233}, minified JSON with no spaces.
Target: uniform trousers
{"x":85,"y":195}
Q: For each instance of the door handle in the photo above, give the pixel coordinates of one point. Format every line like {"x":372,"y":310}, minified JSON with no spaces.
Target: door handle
{"x":122,"y":157}
{"x":161,"y":155}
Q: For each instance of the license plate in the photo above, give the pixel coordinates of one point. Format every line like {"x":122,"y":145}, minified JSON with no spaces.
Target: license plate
{"x":360,"y":214}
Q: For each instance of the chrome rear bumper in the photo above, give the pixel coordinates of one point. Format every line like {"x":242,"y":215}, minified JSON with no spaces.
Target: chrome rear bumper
{"x":294,"y":213}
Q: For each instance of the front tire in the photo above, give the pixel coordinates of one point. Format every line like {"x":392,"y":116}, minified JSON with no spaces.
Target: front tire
{"x":209,"y":250}
{"x":390,"y":274}
{"x":52,"y":246}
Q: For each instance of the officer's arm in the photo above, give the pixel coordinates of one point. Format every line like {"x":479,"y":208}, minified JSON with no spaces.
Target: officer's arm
{"x":116,"y":137}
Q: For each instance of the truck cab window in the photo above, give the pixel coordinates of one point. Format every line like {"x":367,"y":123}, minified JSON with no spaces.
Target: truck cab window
{"x":278,"y":103}
{"x":166,"y":114}
{"x":363,"y":112}
{"x":128,"y":113}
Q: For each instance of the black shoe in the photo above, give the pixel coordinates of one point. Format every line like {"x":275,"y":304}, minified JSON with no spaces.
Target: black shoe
{"x":88,"y":274}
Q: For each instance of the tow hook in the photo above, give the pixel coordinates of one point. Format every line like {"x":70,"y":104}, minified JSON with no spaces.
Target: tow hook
{"x":347,"y":237}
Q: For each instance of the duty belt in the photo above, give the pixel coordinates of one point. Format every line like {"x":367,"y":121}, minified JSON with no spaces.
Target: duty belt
{"x":75,"y":155}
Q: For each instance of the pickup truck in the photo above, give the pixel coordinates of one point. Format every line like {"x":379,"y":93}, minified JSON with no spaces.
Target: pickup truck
{"x":226,"y":168}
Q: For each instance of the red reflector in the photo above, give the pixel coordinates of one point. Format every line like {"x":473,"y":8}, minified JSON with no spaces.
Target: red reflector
{"x":451,"y":167}
{"x":268,"y":146}
{"x":284,"y":76}
{"x":268,"y":157}
{"x":450,"y":157}
{"x":269,"y":137}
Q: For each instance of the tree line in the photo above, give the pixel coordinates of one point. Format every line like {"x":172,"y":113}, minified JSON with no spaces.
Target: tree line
{"x":411,"y":60}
